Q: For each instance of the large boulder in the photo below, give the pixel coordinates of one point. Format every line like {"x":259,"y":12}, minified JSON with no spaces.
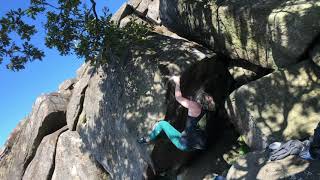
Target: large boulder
{"x":72,"y":161}
{"x":124,"y":100}
{"x":48,"y":115}
{"x":148,"y":9}
{"x":66,"y":87}
{"x":271,"y":33}
{"x":281,"y":106}
{"x":43,"y":163}
{"x":84,"y":74}
{"x":255,"y":165}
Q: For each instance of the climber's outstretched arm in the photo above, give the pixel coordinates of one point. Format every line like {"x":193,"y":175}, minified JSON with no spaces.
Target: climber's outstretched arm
{"x":193,"y":107}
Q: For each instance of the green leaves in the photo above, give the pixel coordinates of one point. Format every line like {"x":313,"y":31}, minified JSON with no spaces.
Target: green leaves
{"x":18,"y":54}
{"x":71,"y":27}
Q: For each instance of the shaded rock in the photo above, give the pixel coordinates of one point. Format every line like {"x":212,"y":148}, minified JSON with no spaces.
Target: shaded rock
{"x":278,"y":107}
{"x":315,"y":55}
{"x":48,"y":115}
{"x":268,"y":33}
{"x":244,"y":72}
{"x":212,"y":161}
{"x":43,"y":163}
{"x":73,"y":162}
{"x":210,"y":74}
{"x":255,"y":165}
{"x":122,"y":12}
{"x":124,"y":100}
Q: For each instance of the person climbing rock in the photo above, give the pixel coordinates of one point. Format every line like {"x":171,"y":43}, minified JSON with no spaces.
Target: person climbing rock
{"x":191,"y":138}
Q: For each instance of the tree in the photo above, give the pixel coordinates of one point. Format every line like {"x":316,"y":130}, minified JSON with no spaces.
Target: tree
{"x":71,"y":27}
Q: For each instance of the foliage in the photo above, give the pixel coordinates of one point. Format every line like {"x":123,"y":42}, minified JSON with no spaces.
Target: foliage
{"x":243,"y":147}
{"x":71,"y":27}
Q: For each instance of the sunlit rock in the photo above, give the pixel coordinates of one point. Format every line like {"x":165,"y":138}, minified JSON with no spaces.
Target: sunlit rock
{"x":72,"y":161}
{"x":280,"y":106}
{"x":272,"y":33}
{"x":48,"y":115}
{"x":124,"y":100}
{"x":255,"y":165}
{"x":43,"y":163}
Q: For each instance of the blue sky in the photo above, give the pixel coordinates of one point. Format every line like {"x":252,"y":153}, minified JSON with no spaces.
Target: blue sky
{"x":19,"y":90}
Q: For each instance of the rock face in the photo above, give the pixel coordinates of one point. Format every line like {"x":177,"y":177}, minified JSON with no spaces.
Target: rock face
{"x":42,"y":165}
{"x":76,"y":100}
{"x":124,"y":100}
{"x":266,"y":52}
{"x":36,"y":148}
{"x":48,"y":115}
{"x":256,"y":166}
{"x":73,"y":162}
{"x":66,"y":87}
{"x":315,"y":55}
{"x":147,"y":8}
{"x":267,"y":33}
{"x":123,"y":11}
{"x":283,"y":105}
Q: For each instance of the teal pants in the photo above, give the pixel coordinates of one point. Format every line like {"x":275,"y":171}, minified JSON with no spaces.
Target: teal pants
{"x":173,"y":134}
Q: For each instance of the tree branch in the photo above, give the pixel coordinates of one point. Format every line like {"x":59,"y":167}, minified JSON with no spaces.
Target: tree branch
{"x":94,"y":9}
{"x":45,"y":3}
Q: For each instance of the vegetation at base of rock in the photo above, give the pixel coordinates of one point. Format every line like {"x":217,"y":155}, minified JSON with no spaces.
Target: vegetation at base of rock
{"x":244,"y":148}
{"x":239,"y":149}
{"x":71,"y":27}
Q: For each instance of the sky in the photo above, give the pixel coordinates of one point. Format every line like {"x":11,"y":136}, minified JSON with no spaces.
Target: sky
{"x":19,"y":90}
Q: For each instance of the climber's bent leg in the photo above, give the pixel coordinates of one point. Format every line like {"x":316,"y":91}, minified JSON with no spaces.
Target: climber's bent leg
{"x":173,"y":134}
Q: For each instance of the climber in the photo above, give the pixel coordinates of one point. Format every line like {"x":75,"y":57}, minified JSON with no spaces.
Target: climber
{"x":191,"y":138}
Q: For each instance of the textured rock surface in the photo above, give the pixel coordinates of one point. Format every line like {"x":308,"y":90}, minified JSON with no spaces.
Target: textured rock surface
{"x":111,"y":106}
{"x":147,"y":8}
{"x":212,"y":160}
{"x":256,"y":166}
{"x":111,"y":122}
{"x":283,"y":105}
{"x":268,"y":33}
{"x":315,"y":55}
{"x":66,"y":87}
{"x":132,"y":17}
{"x":134,"y":3}
{"x":74,"y":162}
{"x":48,"y":115}
{"x":123,"y":11}
{"x":43,"y":163}
{"x":75,"y":104}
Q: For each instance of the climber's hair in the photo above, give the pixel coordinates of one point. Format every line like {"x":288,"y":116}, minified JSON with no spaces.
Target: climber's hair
{"x":205,"y":99}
